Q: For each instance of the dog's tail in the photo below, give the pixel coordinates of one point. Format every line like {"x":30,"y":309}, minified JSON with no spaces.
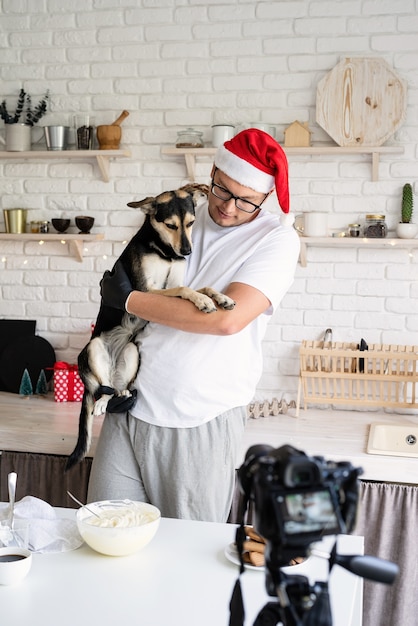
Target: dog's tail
{"x":85,"y":427}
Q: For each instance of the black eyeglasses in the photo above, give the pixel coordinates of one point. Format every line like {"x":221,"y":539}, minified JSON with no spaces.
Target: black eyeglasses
{"x":240,"y":203}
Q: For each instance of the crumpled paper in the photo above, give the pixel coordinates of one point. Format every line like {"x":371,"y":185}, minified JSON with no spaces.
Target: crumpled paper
{"x":47,"y":531}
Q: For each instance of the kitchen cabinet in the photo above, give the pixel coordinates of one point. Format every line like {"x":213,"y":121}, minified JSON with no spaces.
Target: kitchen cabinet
{"x":375,"y":152}
{"x":102,"y":157}
{"x":76,"y":241}
{"x":43,"y":476}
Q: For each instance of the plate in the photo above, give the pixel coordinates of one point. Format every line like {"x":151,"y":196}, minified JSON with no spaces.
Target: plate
{"x":231,"y":554}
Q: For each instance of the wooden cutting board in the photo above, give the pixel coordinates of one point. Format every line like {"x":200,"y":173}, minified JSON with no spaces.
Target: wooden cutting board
{"x":361,"y":102}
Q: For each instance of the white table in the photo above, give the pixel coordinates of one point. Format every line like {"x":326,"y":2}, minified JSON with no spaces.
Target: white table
{"x":181,"y":577}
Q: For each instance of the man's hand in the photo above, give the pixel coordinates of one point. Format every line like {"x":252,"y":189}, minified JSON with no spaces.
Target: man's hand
{"x":115,"y":287}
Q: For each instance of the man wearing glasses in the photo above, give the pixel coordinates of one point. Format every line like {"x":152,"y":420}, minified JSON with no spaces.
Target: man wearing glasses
{"x":179,"y":445}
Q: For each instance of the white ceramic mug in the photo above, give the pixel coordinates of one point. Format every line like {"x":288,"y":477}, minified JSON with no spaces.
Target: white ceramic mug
{"x":266,"y":127}
{"x":312,"y":224}
{"x":221,"y":133}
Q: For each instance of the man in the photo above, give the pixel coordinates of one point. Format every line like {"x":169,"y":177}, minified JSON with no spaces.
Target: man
{"x":178,"y":447}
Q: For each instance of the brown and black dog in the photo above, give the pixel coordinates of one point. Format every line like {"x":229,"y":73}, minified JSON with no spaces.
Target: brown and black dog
{"x":154,"y":260}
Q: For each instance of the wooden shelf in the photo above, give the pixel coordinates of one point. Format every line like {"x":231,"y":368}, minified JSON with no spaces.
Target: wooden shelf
{"x":190,"y":154}
{"x":102,"y":157}
{"x":352,"y":242}
{"x":75,"y":240}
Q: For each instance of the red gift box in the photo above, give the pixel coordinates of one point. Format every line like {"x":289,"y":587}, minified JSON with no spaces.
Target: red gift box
{"x":68,"y":386}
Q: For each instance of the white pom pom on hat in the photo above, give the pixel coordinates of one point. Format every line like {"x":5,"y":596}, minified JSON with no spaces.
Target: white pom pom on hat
{"x":254,"y":159}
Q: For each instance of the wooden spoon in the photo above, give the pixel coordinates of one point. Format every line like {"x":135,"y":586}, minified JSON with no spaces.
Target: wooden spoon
{"x":120,"y":119}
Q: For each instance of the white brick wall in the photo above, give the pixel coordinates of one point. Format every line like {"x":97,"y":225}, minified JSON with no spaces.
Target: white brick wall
{"x":179,"y":63}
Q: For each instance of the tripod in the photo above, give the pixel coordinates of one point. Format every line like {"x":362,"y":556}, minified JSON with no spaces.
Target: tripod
{"x":302,"y":604}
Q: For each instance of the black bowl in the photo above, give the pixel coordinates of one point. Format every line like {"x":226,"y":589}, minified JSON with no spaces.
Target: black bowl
{"x":84,"y":223}
{"x":60,"y":224}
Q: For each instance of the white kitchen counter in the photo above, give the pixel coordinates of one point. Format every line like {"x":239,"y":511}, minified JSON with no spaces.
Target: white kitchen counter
{"x":40,"y":425}
{"x":339,"y":436}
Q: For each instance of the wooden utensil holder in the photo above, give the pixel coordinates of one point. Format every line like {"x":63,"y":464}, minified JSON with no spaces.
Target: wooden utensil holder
{"x":340,"y":373}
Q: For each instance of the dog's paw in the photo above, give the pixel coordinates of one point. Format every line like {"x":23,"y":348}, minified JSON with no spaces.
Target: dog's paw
{"x":224,"y":301}
{"x":100,"y":405}
{"x":220,"y":298}
{"x":122,"y":402}
{"x":203,"y":303}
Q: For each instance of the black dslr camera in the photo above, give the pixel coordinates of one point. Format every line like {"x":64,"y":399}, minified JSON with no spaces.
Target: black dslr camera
{"x":297,"y":499}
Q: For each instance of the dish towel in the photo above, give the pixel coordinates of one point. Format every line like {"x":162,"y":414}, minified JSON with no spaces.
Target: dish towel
{"x":47,"y":531}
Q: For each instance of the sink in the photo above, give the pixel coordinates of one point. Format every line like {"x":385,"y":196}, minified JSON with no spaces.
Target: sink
{"x":393,"y":439}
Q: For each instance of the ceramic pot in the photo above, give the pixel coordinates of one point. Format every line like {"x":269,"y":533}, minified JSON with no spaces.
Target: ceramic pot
{"x":84,"y":223}
{"x":406,"y":231}
{"x":18,"y":137}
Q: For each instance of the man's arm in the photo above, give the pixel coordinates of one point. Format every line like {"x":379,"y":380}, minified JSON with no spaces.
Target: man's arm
{"x":183,"y":315}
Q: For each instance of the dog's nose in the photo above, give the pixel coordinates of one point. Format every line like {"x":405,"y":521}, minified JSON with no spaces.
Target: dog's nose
{"x":185,"y":250}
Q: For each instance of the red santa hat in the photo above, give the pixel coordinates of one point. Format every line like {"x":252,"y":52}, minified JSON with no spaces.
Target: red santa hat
{"x":254,"y":159}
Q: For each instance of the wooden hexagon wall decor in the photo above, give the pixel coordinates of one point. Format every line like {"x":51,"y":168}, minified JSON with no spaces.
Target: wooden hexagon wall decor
{"x":361,"y":102}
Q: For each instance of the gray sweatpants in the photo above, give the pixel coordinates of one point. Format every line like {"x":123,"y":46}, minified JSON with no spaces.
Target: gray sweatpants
{"x":188,"y":473}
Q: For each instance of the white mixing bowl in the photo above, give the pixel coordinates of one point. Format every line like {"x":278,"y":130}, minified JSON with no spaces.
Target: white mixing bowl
{"x":123,"y":526}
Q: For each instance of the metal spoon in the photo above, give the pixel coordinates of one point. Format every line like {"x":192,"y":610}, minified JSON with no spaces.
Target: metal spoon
{"x":81,"y":504}
{"x":11,"y":483}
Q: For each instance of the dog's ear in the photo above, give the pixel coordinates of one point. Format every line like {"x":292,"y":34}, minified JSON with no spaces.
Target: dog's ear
{"x":199,"y":197}
{"x":192,"y":187}
{"x":199,"y":192}
{"x":147,"y":205}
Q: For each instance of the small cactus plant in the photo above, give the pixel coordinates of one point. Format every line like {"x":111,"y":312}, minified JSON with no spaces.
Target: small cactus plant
{"x":407,"y":203}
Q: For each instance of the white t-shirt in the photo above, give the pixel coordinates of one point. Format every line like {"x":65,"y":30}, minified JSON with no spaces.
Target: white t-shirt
{"x":186,"y":379}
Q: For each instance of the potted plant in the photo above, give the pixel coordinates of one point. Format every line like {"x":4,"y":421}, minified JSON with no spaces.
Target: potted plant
{"x":406,"y":229}
{"x":18,"y":124}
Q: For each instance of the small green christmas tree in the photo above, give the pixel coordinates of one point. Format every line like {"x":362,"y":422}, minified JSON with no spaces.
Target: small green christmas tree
{"x":41,"y":386}
{"x":407,"y":203}
{"x":26,"y":388}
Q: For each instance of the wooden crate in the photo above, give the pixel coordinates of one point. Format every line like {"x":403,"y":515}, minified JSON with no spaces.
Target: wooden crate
{"x":340,"y":373}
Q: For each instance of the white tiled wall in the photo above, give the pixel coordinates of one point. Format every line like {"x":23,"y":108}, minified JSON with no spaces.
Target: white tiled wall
{"x":179,"y":63}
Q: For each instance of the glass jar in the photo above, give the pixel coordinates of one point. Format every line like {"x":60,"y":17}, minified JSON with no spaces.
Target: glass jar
{"x":354,"y":230}
{"x":375,"y":226}
{"x":189,"y":138}
{"x":44,"y":226}
{"x":34,"y":227}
